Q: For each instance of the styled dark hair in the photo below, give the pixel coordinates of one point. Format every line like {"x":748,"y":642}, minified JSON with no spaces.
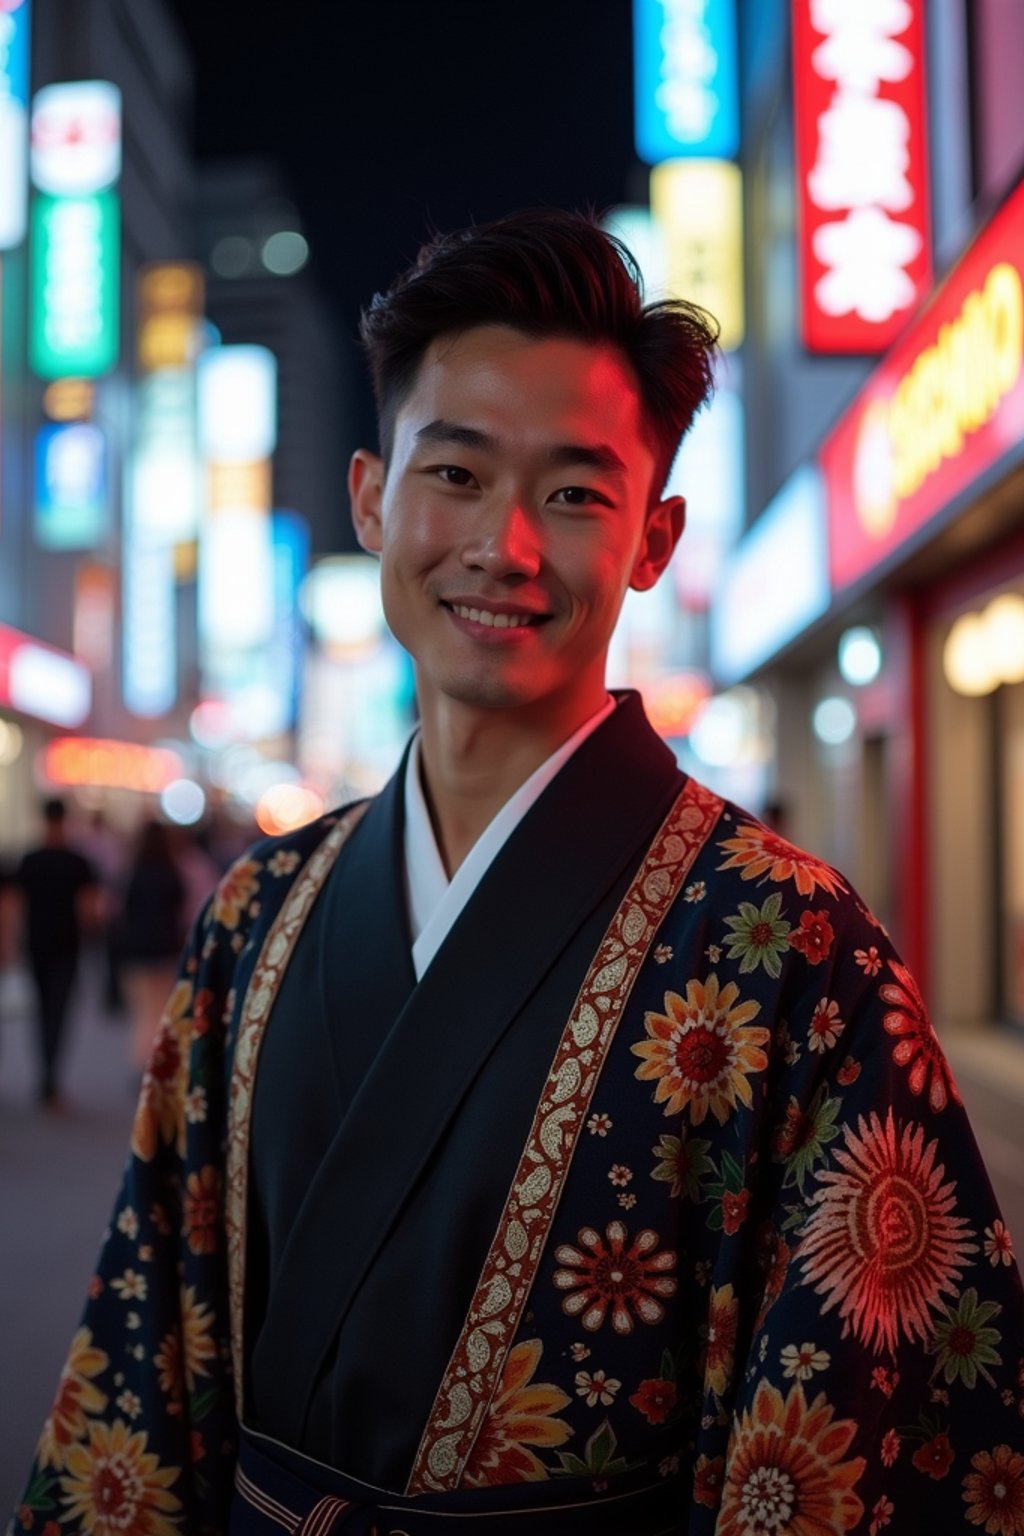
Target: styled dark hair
{"x":546,"y":272}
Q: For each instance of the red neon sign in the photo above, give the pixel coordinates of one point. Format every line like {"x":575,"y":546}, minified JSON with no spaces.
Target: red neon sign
{"x":862,"y":171}
{"x":945,"y":405}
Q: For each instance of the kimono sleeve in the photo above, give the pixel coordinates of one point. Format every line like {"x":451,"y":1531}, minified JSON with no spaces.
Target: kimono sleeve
{"x":883,"y":1387}
{"x":143,"y":1418}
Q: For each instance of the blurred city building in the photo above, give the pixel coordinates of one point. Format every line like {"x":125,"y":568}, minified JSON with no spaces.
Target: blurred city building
{"x":172,"y":409}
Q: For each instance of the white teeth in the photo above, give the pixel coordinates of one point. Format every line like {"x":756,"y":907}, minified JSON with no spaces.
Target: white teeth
{"x":494,"y":620}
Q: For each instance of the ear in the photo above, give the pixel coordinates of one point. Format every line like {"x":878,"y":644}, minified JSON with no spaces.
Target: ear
{"x":365,"y":490}
{"x":662,"y":532}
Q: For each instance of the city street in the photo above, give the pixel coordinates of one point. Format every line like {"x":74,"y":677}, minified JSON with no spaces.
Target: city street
{"x":58,"y":1177}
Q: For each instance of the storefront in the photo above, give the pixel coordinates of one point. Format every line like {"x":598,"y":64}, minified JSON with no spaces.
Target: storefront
{"x":910,"y":774}
{"x":42,"y":689}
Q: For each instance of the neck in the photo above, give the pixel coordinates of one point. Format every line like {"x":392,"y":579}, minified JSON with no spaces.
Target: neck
{"x":473,"y":760}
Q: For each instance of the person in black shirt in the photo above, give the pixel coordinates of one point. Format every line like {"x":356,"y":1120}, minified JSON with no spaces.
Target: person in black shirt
{"x":58,"y":886}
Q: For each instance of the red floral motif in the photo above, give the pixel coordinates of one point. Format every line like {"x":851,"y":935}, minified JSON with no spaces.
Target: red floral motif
{"x":935,"y":1458}
{"x":757,"y":851}
{"x":655,"y":1399}
{"x":707,"y":1480}
{"x":890,"y":1447}
{"x":605,"y":1273}
{"x":994,"y":1491}
{"x":796,"y":1128}
{"x":734,"y":1210}
{"x":918,"y":1047}
{"x":848,"y":1073}
{"x":882,"y":1242}
{"x":773,"y":1261}
{"x":201,"y":1210}
{"x":813,"y":938}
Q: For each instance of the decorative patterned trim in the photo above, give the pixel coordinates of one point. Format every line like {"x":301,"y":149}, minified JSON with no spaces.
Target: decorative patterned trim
{"x":259,"y":1000}
{"x":474,"y":1370}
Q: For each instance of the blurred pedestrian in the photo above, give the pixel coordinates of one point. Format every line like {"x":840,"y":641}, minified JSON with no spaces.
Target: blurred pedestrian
{"x":150,"y":933}
{"x":58,"y":890}
{"x":106,"y":851}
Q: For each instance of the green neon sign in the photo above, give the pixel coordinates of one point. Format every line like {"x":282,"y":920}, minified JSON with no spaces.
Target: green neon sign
{"x":76,"y":272}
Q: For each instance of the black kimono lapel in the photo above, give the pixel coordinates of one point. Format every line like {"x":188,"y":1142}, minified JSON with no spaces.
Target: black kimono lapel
{"x":415,"y":1143}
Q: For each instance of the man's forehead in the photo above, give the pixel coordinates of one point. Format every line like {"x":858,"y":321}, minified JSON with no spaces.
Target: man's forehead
{"x":498,"y":380}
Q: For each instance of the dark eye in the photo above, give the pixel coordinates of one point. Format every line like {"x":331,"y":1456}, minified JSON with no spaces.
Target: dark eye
{"x":578,"y":496}
{"x":454,"y":474}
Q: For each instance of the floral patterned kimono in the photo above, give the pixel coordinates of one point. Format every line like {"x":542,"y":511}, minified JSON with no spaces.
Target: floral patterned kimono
{"x":656,"y":1186}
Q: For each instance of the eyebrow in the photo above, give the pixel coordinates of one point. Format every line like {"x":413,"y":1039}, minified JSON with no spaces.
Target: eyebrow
{"x":599,"y":456}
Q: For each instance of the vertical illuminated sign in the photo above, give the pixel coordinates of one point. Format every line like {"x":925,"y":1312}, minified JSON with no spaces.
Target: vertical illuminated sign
{"x":862,"y":171}
{"x":164,"y":481}
{"x":76,"y":137}
{"x":699,"y":206}
{"x":686,"y":100}
{"x":149,"y":670}
{"x":71,"y":486}
{"x":76,"y":257}
{"x":14,"y":66}
{"x":237,"y":431}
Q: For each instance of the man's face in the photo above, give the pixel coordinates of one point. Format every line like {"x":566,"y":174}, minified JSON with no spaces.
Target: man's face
{"x":514,"y":513}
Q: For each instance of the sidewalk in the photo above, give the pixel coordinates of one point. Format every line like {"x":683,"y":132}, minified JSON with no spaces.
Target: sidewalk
{"x":58,"y":1179}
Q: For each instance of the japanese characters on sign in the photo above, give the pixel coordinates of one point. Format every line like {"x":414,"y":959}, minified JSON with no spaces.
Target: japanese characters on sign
{"x":686,"y":95}
{"x":862,"y":194}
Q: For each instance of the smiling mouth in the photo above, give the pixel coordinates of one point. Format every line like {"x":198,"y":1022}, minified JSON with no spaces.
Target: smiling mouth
{"x":488,"y":617}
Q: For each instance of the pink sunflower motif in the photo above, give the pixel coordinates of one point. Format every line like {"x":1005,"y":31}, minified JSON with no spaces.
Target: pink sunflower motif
{"x":918,"y":1047}
{"x":883,"y":1242}
{"x":604,"y":1272}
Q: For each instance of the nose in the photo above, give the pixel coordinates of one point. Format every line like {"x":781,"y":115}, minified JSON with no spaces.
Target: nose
{"x":505,"y":542}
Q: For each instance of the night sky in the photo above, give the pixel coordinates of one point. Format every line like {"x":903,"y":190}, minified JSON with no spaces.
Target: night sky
{"x":392,"y":115}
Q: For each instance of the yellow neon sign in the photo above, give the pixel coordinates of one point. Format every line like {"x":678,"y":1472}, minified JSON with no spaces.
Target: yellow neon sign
{"x":953,"y":387}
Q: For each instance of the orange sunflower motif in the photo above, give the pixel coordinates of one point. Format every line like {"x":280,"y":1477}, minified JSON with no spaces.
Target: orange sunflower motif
{"x":604,"y":1273}
{"x":883,"y":1242}
{"x":197,"y":1346}
{"x":718,"y":1340}
{"x":758,"y":852}
{"x":994,"y":1492}
{"x":160,"y":1116}
{"x":701,"y":1050}
{"x":115,"y":1487}
{"x":785,"y":1473}
{"x":77,"y":1395}
{"x":918,"y":1046}
{"x":521,"y":1415}
{"x":235,"y":891}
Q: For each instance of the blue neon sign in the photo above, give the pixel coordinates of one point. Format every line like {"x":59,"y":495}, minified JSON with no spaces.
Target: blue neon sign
{"x":14,"y":57}
{"x":686,"y":97}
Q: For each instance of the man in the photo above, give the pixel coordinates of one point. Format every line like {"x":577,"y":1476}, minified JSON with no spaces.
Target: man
{"x":545,"y":1143}
{"x":58,"y":890}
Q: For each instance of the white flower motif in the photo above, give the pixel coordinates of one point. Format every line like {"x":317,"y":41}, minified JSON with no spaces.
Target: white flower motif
{"x":803,"y":1361}
{"x":596,"y":1388}
{"x":128,"y":1222}
{"x":131,"y":1286}
{"x":130,"y":1404}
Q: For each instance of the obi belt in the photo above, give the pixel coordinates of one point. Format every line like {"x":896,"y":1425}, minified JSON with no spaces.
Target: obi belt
{"x":277,"y":1491}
